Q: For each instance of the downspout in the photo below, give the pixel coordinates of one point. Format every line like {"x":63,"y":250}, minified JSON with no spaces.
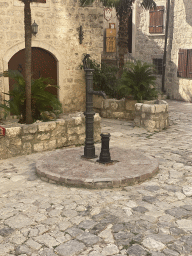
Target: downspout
{"x":165,"y":47}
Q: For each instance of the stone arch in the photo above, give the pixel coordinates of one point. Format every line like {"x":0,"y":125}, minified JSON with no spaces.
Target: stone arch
{"x":14,"y":49}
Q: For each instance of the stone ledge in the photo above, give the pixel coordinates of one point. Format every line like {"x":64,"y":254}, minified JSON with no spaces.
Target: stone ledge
{"x":132,"y":167}
{"x":23,"y":139}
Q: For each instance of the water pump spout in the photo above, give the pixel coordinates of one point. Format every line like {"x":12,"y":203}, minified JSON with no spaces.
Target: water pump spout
{"x":98,"y":93}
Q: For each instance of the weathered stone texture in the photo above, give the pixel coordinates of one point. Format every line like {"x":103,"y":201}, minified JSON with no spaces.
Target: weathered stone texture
{"x":152,"y":116}
{"x":38,"y":137}
{"x":113,"y":108}
{"x":58,"y":33}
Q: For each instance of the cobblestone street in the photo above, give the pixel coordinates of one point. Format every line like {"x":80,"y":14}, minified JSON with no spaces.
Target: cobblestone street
{"x":151,"y":218}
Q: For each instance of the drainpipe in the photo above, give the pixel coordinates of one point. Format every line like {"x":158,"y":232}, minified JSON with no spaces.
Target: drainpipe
{"x":165,"y":47}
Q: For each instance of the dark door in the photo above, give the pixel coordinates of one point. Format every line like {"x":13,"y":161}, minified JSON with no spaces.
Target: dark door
{"x":43,"y":65}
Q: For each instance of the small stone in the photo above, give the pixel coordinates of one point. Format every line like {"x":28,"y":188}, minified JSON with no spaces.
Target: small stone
{"x":187,"y":190}
{"x":169,"y":252}
{"x":107,"y":235}
{"x":47,"y":240}
{"x":140,"y":209}
{"x":110,"y":249}
{"x":88,"y":238}
{"x":70,"y":248}
{"x":185,"y":224}
{"x":136,"y":250}
{"x":152,"y":244}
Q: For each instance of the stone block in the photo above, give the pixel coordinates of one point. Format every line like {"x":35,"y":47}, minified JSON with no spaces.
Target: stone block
{"x":160,"y":108}
{"x":118,"y":114}
{"x":137,"y":121}
{"x":51,"y":144}
{"x":97,"y":118}
{"x":148,"y":108}
{"x":149,"y":125}
{"x":16,"y":142}
{"x":114,"y":105}
{"x":61,"y":142}
{"x":27,"y":137}
{"x":13,"y":131}
{"x":27,"y":148}
{"x":31,"y":128}
{"x":43,"y":136}
{"x":60,"y":122}
{"x":138,"y":106}
{"x":38,"y":147}
{"x":78,"y":120}
{"x":47,"y":126}
{"x":106,"y":103}
{"x":130,"y":104}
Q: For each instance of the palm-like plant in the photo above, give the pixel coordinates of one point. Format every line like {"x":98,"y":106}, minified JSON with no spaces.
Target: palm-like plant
{"x":138,"y":80}
{"x":41,"y":100}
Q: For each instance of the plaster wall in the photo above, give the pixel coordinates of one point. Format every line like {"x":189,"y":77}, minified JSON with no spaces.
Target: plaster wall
{"x":179,"y":37}
{"x":58,"y":33}
{"x":148,"y":46}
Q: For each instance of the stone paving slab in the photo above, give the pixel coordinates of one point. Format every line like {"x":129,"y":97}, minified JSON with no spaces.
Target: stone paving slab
{"x":66,"y":167}
{"x":154,"y":218}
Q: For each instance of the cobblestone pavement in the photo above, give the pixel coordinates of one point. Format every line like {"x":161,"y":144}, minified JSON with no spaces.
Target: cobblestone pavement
{"x":152,"y":218}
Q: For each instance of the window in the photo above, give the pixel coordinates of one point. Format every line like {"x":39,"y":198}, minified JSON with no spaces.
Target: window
{"x":158,"y":63}
{"x":185,"y":63}
{"x":156,"y":20}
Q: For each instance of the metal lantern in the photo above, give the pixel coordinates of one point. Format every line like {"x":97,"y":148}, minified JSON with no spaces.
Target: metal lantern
{"x":34,"y":28}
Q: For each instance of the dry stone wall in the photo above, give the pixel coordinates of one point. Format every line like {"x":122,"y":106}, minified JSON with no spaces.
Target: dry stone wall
{"x":22,"y":139}
{"x":152,"y":115}
{"x":59,"y":21}
{"x":113,"y":108}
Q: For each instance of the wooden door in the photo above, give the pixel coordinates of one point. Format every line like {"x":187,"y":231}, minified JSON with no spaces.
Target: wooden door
{"x":43,"y":65}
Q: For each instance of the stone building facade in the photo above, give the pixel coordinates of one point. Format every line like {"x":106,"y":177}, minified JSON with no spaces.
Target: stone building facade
{"x":149,"y":45}
{"x":58,"y":34}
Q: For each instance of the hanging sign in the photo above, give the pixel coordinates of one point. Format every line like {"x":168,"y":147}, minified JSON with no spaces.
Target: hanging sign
{"x":108,"y":14}
{"x":2,"y":131}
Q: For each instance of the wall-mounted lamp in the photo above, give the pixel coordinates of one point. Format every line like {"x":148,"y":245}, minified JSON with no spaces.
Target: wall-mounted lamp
{"x":81,"y":33}
{"x":34,"y":27}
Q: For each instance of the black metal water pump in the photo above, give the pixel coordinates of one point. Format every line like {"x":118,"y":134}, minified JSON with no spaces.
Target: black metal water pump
{"x":89,"y":149}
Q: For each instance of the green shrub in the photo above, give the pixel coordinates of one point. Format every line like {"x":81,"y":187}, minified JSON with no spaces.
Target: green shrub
{"x":105,"y":79}
{"x":138,"y":80}
{"x":41,"y":100}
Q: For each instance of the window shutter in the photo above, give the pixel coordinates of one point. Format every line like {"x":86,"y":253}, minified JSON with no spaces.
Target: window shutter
{"x":156,"y":20}
{"x":189,"y":63}
{"x":182,"y":63}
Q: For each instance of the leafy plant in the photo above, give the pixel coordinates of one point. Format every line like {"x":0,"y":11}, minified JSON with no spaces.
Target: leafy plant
{"x":105,"y":79}
{"x":138,"y":80}
{"x":41,"y":100}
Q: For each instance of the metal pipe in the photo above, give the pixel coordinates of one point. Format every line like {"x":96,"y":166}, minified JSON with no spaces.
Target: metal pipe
{"x":165,"y":47}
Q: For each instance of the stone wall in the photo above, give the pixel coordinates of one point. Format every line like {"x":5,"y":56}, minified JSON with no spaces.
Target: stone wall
{"x":58,"y":33}
{"x":179,"y":37}
{"x":148,"y":46}
{"x":152,"y":115}
{"x":22,"y":139}
{"x":112,"y":108}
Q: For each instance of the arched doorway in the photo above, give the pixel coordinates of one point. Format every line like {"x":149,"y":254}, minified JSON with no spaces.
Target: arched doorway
{"x":43,"y":65}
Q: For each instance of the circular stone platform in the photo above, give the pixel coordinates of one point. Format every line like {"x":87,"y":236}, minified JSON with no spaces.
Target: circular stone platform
{"x":65,"y":166}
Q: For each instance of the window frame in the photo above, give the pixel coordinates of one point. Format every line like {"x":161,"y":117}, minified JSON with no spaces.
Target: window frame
{"x":164,"y":22}
{"x":184,"y":63}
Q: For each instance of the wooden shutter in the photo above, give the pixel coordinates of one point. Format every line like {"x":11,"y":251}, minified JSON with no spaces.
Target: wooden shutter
{"x":189,"y":64}
{"x":156,"y":20}
{"x":182,"y":63}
